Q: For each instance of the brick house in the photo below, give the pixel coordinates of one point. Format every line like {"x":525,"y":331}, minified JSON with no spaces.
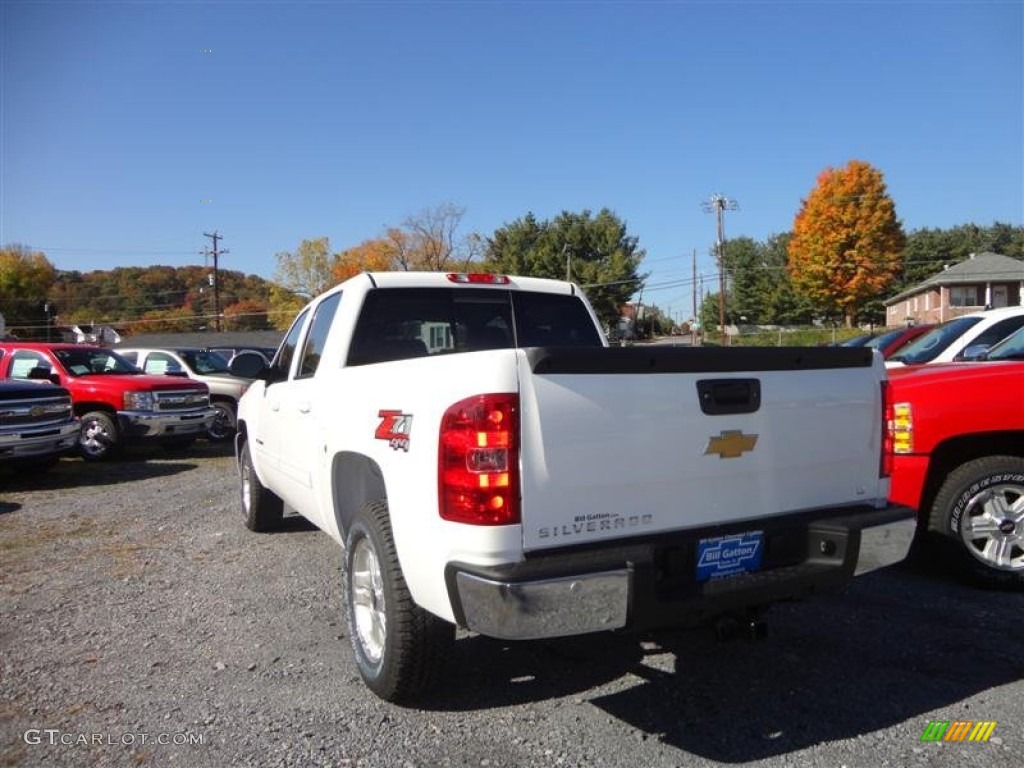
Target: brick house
{"x":983,"y":280}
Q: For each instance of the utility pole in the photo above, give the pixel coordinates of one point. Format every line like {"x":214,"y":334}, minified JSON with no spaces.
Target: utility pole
{"x":695,"y":320}
{"x":216,"y":278}
{"x":719,"y":204}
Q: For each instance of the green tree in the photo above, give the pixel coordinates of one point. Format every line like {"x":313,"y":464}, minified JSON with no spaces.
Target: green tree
{"x":847,"y":243}
{"x":26,"y":277}
{"x":283,"y":306}
{"x":307,"y":271}
{"x":928,"y":251}
{"x":594,"y":251}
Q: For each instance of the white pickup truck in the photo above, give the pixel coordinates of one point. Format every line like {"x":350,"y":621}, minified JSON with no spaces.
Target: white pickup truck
{"x":487,"y":461}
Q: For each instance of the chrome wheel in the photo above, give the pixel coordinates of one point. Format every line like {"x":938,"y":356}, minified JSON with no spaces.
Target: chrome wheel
{"x":261,"y":508}
{"x":368,"y":602}
{"x":246,"y":488}
{"x":223,"y":424}
{"x":98,"y":436}
{"x":992,"y":527}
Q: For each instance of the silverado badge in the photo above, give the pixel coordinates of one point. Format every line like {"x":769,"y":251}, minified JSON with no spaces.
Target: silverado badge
{"x":730,"y":444}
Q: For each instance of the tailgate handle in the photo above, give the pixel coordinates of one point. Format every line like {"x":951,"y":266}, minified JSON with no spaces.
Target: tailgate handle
{"x":728,"y":396}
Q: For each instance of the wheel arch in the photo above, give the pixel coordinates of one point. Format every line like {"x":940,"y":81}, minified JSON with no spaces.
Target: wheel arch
{"x":356,"y":480}
{"x":951,"y":453}
{"x":82,"y":408}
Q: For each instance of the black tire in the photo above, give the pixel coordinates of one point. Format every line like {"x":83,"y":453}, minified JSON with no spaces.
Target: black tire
{"x":399,"y":648}
{"x":100,"y":438}
{"x":263,"y":510}
{"x":222,"y":428}
{"x":981,"y":507}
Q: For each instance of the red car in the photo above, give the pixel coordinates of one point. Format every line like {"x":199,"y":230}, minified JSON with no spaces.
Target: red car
{"x":891,"y":342}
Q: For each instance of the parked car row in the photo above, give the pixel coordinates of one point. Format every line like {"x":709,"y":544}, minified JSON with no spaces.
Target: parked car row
{"x":181,"y":396}
{"x":956,"y":429}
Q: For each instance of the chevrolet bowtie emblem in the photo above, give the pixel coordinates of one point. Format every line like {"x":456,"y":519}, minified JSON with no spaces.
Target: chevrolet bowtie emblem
{"x":730,"y":444}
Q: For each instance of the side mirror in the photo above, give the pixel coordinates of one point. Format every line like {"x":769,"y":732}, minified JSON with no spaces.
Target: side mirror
{"x":249,"y":365}
{"x":973,"y":352}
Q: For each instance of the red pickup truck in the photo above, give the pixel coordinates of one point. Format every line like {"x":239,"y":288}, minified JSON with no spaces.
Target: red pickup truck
{"x":114,"y":400}
{"x":956,"y":443}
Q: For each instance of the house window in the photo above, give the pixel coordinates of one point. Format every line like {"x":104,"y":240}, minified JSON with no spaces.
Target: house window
{"x":965,"y":296}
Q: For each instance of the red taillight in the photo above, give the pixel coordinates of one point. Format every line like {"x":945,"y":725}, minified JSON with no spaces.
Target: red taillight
{"x":478,"y":461}
{"x":477,"y":278}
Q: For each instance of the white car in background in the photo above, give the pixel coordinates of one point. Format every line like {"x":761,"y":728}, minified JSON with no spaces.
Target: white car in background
{"x":963,"y":338}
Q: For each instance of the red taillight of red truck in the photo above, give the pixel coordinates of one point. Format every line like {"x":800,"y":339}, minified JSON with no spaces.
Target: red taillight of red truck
{"x":478,"y":461}
{"x":897,"y":431}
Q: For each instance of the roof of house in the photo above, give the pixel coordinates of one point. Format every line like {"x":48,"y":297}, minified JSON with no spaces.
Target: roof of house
{"x":979,"y":268}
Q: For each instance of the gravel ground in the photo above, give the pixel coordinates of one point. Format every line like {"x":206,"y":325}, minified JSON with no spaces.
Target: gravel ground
{"x":141,"y":624}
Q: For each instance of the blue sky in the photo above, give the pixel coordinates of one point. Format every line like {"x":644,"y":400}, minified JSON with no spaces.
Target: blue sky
{"x":339,"y":119}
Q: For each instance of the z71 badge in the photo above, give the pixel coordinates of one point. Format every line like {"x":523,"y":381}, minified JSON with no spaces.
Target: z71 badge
{"x":394,"y":427}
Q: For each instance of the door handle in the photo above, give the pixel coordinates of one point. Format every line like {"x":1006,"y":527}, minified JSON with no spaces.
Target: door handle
{"x":304,"y":407}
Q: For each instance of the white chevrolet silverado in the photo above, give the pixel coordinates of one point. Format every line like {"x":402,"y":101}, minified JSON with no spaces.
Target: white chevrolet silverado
{"x":487,"y":461}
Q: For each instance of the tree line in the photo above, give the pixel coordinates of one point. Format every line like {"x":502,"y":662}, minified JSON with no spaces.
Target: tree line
{"x":845,"y":252}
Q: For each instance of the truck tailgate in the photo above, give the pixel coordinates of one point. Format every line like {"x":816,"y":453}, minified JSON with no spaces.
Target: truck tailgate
{"x":630,"y":442}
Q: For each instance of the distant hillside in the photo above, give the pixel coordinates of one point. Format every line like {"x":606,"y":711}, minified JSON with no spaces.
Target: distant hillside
{"x":161,"y":299}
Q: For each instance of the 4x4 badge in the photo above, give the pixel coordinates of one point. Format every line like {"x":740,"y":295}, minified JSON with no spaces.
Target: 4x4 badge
{"x":394,"y":427}
{"x":730,"y":444}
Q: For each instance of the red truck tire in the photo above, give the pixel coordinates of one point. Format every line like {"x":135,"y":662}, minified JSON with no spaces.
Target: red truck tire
{"x":981,"y":506}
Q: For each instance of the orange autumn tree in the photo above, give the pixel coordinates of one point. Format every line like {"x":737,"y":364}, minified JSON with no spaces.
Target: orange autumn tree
{"x":369,"y":256}
{"x":847,"y":241}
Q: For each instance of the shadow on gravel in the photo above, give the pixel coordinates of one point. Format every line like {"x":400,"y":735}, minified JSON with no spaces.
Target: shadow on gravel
{"x":896,"y":645}
{"x":75,"y":473}
{"x":135,"y":462}
{"x":505,"y":674}
{"x":292,"y":524}
{"x":7,"y":506}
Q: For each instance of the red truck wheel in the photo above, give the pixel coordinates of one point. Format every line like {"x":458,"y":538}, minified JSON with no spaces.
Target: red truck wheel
{"x":99,"y":439}
{"x":981,"y":506}
{"x":399,"y":647}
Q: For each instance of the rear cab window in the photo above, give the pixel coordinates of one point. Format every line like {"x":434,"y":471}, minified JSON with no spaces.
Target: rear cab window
{"x":404,"y":323}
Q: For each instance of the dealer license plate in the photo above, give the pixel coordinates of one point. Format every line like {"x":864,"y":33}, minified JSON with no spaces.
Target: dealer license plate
{"x":724,"y":556}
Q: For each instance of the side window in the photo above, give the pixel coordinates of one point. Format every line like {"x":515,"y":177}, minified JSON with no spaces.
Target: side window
{"x":316,"y":339}
{"x":161,"y":363}
{"x":131,"y":357}
{"x":26,"y":364}
{"x":999,"y":331}
{"x":283,"y":359}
